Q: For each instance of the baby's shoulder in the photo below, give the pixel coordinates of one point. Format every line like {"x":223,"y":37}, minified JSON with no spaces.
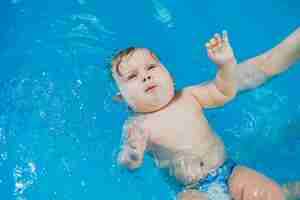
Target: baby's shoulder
{"x":184,"y":92}
{"x":186,"y":96}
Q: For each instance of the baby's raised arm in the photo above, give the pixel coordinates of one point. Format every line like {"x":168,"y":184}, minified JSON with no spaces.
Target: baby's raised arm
{"x":134,"y":145}
{"x":223,"y":87}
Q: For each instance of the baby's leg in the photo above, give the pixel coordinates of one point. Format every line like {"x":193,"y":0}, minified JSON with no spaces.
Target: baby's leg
{"x":191,"y":195}
{"x":246,"y":184}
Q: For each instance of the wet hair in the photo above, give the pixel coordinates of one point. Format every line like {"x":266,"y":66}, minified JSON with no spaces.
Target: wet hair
{"x":118,"y":58}
{"x":123,"y":54}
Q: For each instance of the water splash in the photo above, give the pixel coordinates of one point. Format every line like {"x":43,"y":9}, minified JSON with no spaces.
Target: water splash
{"x":25,"y":176}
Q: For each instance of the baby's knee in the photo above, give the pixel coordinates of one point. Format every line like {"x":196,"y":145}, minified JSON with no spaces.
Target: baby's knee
{"x":191,"y":195}
{"x":273,"y":192}
{"x":248,"y":184}
{"x":263,"y":192}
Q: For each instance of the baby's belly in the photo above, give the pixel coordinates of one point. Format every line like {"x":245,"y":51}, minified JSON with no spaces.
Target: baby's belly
{"x":189,"y":167}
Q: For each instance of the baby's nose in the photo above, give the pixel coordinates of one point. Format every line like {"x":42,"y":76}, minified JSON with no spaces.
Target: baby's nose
{"x":148,"y":77}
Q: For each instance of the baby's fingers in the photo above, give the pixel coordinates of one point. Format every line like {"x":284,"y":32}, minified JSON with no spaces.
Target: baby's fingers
{"x":218,"y":38}
{"x":123,"y":158}
{"x":214,"y":42}
{"x":225,"y":37}
{"x":211,"y":43}
{"x":210,"y":53}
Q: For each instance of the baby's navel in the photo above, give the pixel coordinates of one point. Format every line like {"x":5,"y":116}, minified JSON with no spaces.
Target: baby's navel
{"x":188,"y":168}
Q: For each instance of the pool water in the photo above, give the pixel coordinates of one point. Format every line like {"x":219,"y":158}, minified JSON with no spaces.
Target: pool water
{"x":59,"y":128}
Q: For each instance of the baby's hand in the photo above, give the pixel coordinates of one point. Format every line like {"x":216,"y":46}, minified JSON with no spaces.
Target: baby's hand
{"x":219,"y":49}
{"x":129,"y":157}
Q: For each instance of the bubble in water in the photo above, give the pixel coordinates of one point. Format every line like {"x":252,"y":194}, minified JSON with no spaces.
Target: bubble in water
{"x":82,"y":183}
{"x":15,"y":1}
{"x":43,"y":114}
{"x":81,"y":2}
{"x":32,"y":167}
{"x":163,"y":14}
{"x":79,"y":82}
{"x":19,"y":187}
{"x":3,"y":156}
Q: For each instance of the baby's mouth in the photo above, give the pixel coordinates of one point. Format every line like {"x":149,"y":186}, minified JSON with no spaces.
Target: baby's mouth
{"x":150,"y":88}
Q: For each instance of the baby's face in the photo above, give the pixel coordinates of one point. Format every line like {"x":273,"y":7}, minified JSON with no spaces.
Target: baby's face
{"x":144,"y":82}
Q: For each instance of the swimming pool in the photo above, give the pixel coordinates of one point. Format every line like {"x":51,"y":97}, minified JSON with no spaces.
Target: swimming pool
{"x":60,"y":130}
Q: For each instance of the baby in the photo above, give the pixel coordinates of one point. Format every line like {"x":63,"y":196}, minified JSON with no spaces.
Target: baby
{"x":171,"y":127}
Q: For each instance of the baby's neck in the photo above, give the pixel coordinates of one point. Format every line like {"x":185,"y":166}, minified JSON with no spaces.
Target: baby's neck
{"x":162,"y":108}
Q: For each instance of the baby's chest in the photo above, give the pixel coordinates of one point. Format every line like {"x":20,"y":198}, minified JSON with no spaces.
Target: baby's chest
{"x":180,"y":123}
{"x":177,"y":129}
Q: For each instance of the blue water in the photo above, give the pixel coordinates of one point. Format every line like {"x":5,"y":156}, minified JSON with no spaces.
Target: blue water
{"x":60,"y":130}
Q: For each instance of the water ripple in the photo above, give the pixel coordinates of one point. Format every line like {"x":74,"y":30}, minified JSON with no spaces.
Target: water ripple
{"x":163,"y":14}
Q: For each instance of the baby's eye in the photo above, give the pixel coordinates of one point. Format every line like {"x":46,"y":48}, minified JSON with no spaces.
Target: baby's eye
{"x":151,"y":67}
{"x":132,"y":76}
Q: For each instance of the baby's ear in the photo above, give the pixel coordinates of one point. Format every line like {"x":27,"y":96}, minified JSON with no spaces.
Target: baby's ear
{"x":118,"y":97}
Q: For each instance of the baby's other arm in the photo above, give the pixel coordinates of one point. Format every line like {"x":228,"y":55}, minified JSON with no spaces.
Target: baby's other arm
{"x":257,"y":70}
{"x":134,"y":145}
{"x":223,"y":88}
